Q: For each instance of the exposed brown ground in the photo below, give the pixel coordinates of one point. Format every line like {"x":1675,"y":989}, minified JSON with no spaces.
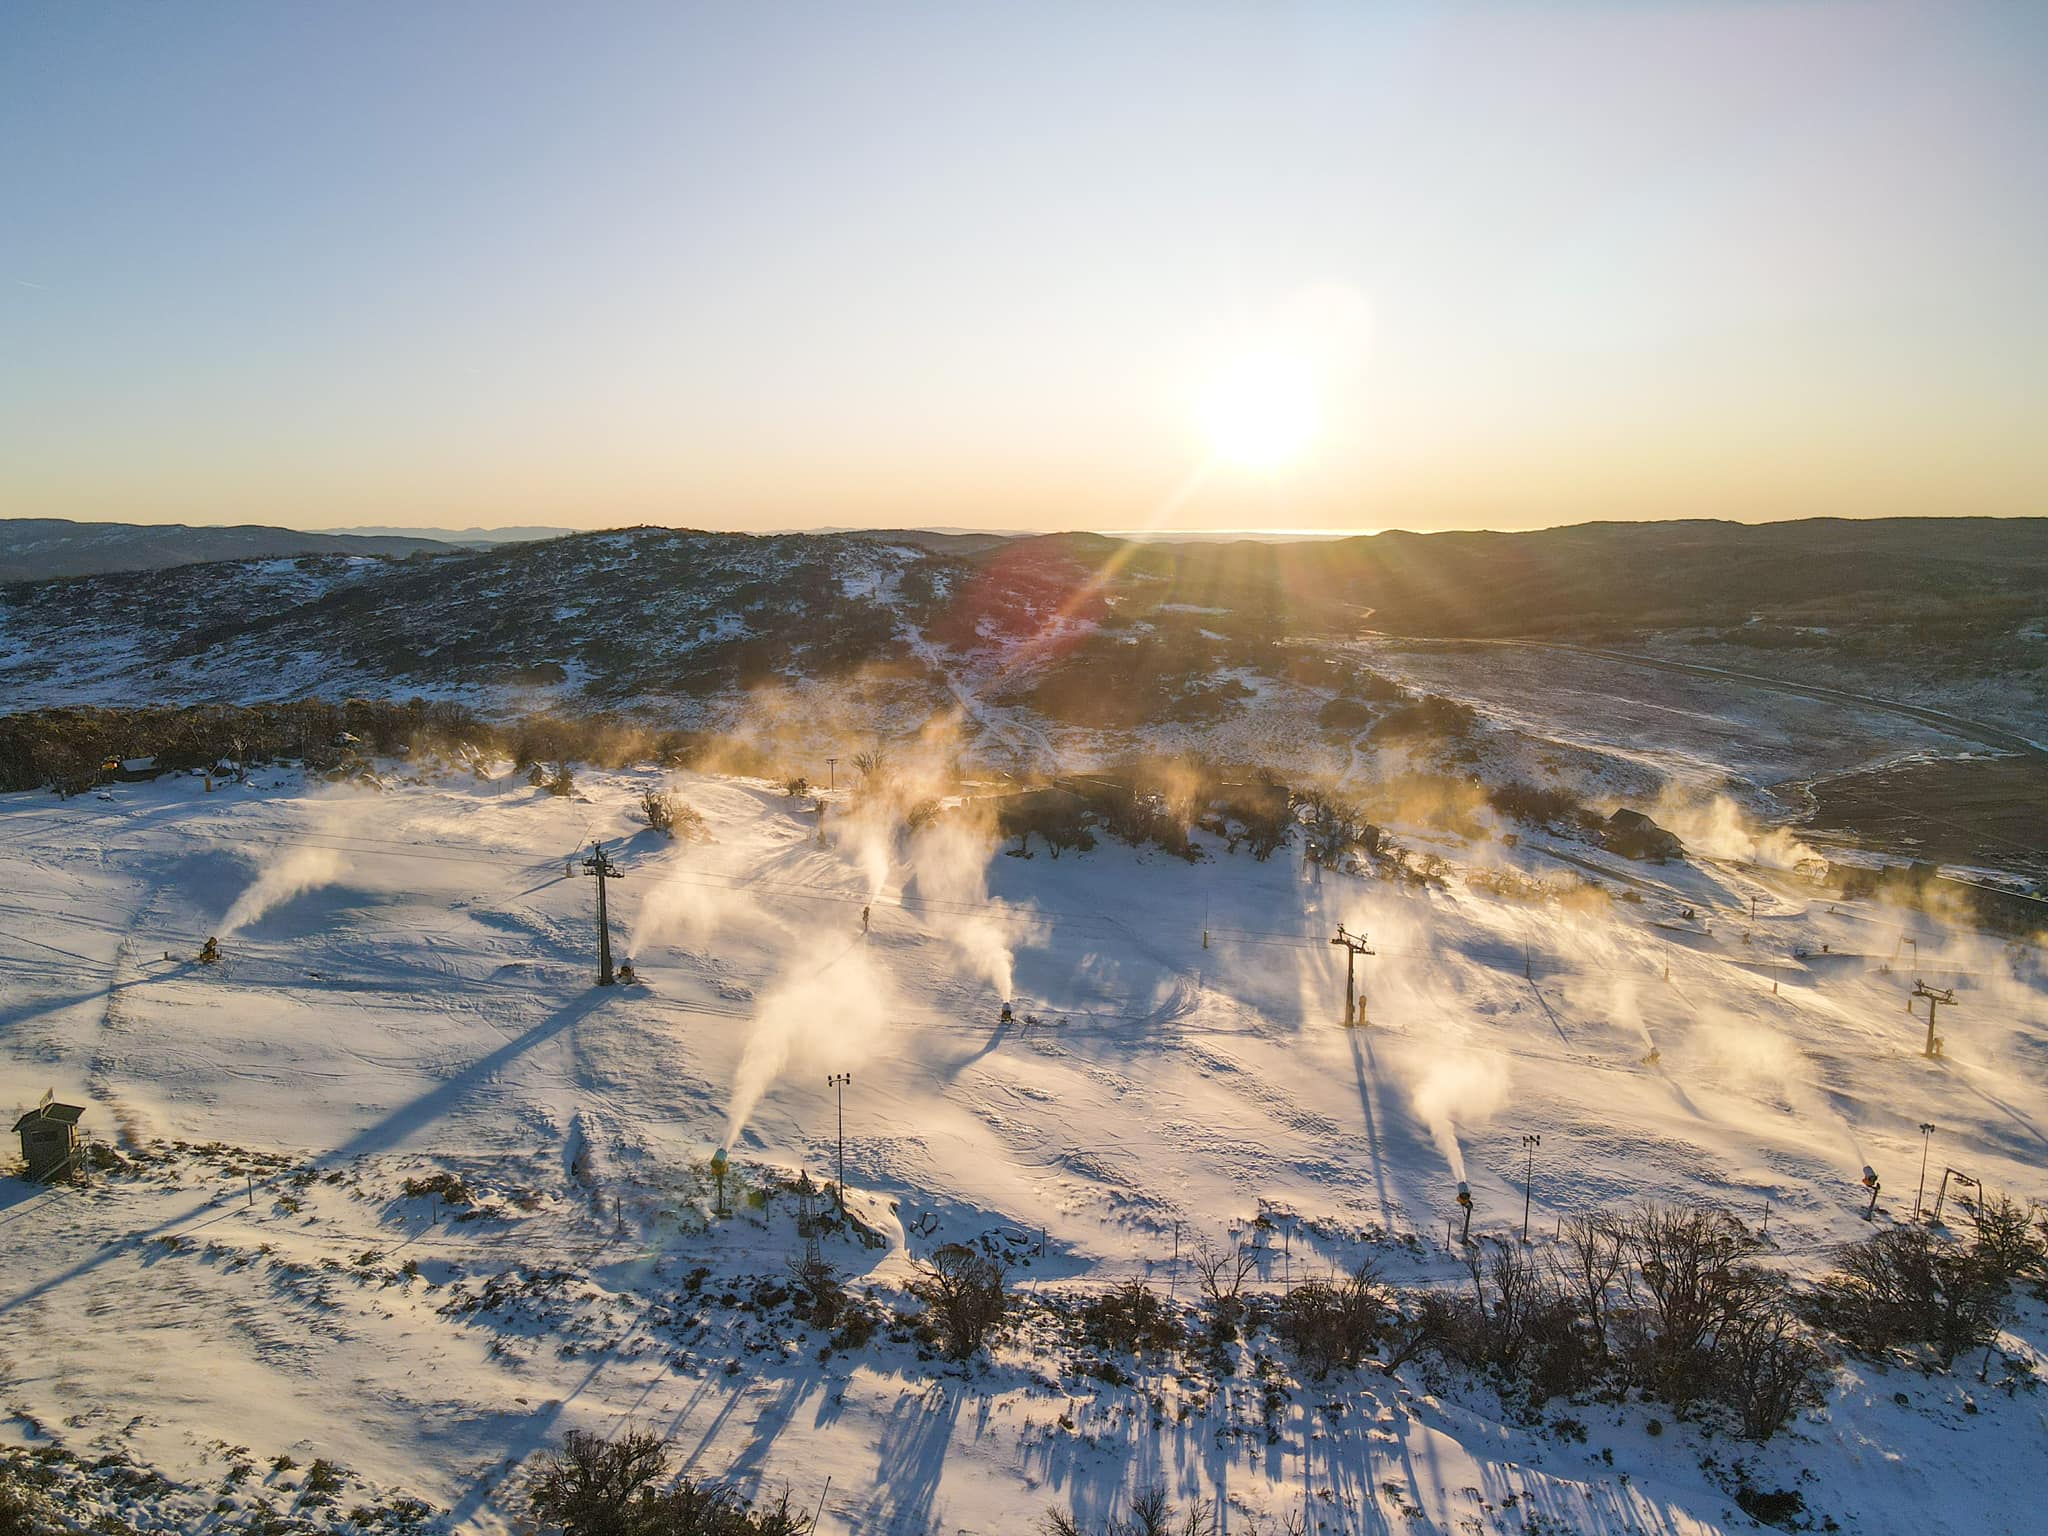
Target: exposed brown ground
{"x":1983,"y":811}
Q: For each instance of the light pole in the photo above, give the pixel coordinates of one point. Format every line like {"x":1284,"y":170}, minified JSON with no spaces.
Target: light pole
{"x":839,"y":1080}
{"x":1529,"y":1145}
{"x":1926,"y":1132}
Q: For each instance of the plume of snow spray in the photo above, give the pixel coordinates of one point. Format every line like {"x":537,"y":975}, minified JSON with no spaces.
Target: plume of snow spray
{"x":867,"y":836}
{"x":1764,"y":1063}
{"x":835,"y":1017}
{"x":297,"y":872}
{"x":1455,"y":1093}
{"x":681,"y":913}
{"x":1721,"y":829}
{"x":949,"y":860}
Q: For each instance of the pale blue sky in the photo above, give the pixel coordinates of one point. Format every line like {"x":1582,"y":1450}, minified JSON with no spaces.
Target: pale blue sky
{"x":742,"y":266}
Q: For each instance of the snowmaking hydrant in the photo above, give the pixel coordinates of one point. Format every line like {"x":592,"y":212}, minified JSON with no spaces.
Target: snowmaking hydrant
{"x":1465,"y":1199}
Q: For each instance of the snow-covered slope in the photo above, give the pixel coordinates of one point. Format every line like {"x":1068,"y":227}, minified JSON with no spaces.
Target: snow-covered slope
{"x":405,"y":993}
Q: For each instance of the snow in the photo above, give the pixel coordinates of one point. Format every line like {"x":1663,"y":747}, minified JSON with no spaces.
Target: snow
{"x":409,"y":994}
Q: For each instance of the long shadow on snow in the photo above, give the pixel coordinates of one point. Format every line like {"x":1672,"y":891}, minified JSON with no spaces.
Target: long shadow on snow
{"x":394,"y":1127}
{"x":911,"y":1457}
{"x":1095,"y":1479}
{"x":440,"y":1101}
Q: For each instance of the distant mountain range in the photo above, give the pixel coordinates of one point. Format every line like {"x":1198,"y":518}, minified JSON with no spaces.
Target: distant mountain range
{"x":469,"y":537}
{"x":41,"y":548}
{"x":646,"y":615}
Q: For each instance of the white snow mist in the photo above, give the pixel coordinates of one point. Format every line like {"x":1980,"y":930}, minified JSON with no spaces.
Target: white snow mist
{"x":1455,"y":1093}
{"x":833,"y":1018}
{"x":297,"y":872}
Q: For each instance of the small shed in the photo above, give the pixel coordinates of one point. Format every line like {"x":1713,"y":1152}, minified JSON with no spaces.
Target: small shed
{"x":49,"y":1138}
{"x":137,"y":770}
{"x":1633,"y":835}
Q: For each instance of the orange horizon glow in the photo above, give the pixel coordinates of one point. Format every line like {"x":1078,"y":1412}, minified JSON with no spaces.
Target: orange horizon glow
{"x":1408,"y":266}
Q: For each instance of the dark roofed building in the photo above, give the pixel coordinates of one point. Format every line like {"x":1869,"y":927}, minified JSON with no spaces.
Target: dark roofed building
{"x":1634,"y":836}
{"x":49,"y":1138}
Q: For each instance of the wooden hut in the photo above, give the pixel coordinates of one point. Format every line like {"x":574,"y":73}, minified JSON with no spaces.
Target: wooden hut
{"x":49,"y":1138}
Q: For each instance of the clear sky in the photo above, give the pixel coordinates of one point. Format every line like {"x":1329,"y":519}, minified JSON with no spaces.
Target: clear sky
{"x":758,"y":265}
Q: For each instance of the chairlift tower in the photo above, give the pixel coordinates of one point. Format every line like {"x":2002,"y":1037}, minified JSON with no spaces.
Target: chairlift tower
{"x":1354,"y":945}
{"x":600,"y":866}
{"x":1936,"y":997}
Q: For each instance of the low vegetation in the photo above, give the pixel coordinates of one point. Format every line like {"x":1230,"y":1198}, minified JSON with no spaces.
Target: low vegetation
{"x":1152,"y":1512}
{"x":1913,"y":1293}
{"x":1669,"y":1301}
{"x":625,"y":1487}
{"x":671,"y":815}
{"x":962,"y":1290}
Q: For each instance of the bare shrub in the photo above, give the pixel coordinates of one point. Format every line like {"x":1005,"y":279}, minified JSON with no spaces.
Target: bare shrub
{"x":873,"y":768}
{"x":1152,"y":1513}
{"x":1768,"y":1370}
{"x":2007,"y":1240}
{"x":1334,"y":1324}
{"x":1906,"y":1286}
{"x":818,"y":1282}
{"x":1528,"y":803}
{"x":1332,"y":827}
{"x":1691,"y":1275}
{"x":1589,"y":1266}
{"x":1129,"y":1320}
{"x":673,"y":816}
{"x":1221,"y":1273}
{"x":1664,"y":1297}
{"x":962,"y":1289}
{"x":598,"y":1487}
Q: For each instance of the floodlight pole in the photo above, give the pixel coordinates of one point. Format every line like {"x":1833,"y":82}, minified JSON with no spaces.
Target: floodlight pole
{"x":831,"y":773}
{"x":1529,"y":1145}
{"x":1926,"y":1133}
{"x":839,"y":1080}
{"x":599,"y":864}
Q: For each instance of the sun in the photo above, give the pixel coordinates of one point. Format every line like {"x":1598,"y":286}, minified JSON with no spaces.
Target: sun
{"x":1262,"y":412}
